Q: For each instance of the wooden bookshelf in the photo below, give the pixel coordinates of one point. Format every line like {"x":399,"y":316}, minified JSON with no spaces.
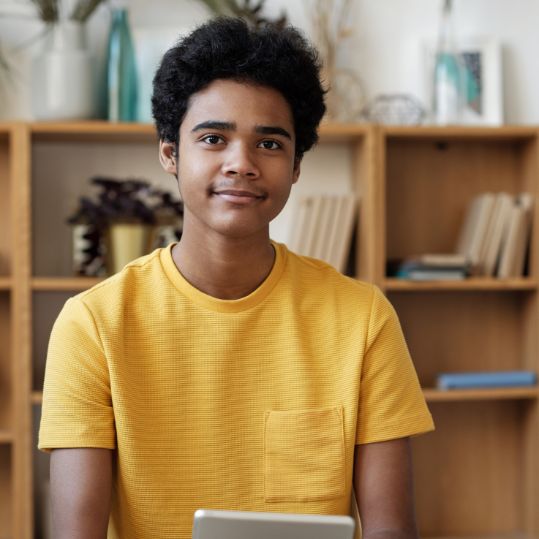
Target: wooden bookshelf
{"x":484,"y":454}
{"x":477,"y":475}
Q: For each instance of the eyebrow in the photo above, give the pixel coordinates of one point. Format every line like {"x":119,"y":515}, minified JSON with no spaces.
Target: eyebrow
{"x":231,"y":126}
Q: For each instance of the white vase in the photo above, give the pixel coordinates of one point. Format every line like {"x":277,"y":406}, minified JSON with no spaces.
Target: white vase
{"x":63,"y":75}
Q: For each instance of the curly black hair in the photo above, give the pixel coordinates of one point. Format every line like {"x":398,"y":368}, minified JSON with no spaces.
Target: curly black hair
{"x":226,"y":48}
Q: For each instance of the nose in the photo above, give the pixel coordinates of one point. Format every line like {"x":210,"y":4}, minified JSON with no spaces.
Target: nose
{"x":240,"y":162}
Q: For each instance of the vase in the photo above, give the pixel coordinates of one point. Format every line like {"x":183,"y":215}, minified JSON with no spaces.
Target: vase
{"x":121,"y":70}
{"x":127,"y":241}
{"x":448,"y":95}
{"x":63,"y":75}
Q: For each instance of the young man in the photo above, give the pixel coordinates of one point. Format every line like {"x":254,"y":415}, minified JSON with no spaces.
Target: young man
{"x":225,"y":371}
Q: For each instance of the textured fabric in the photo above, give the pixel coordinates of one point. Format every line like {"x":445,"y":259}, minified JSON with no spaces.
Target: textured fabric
{"x":249,"y":404}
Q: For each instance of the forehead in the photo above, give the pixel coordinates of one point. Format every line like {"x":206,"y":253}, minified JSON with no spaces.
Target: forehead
{"x":243,"y":103}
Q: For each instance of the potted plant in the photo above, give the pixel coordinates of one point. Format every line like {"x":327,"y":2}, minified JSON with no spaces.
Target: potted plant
{"x":128,"y":219}
{"x":63,"y":78}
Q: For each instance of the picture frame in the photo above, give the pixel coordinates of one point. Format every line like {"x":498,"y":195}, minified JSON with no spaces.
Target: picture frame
{"x":481,"y":58}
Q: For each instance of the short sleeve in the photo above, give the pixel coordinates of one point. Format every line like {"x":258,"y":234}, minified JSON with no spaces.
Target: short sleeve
{"x":77,"y":404}
{"x":391,"y":403}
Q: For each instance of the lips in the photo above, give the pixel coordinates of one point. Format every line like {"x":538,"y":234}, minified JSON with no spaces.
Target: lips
{"x":238,"y":196}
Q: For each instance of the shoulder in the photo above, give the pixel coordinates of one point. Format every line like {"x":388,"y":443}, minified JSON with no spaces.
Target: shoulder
{"x":321,"y":283}
{"x":127,"y":286}
{"x":317,"y":272}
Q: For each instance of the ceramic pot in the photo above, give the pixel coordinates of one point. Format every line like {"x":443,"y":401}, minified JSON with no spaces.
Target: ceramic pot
{"x":62,"y":75}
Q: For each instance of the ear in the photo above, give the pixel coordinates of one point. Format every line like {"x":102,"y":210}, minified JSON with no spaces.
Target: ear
{"x":297,"y":170}
{"x":168,"y":157}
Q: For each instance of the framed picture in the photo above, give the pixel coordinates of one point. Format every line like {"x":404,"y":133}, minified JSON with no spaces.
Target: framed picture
{"x":481,"y":64}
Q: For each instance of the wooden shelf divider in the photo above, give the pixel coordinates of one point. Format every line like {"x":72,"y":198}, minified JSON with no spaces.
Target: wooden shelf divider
{"x":472,"y":284}
{"x":61,"y":284}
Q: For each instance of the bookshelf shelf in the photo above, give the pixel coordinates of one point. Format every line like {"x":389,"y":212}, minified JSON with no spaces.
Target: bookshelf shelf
{"x":6,"y":283}
{"x":459,"y":395}
{"x":6,"y":437}
{"x":471,"y":284}
{"x":61,"y":284}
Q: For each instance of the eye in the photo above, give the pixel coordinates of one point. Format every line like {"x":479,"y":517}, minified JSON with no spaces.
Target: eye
{"x":270,"y":145}
{"x":212,"y":140}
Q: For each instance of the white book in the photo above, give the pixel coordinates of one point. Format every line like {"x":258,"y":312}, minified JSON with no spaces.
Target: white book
{"x":499,"y":224}
{"x":347,"y":221}
{"x":467,"y":229}
{"x":327,"y":216}
{"x":299,"y":224}
{"x":513,"y":255}
{"x":480,"y":217}
{"x":525,"y":201}
{"x":312,"y":232}
{"x":334,"y":229}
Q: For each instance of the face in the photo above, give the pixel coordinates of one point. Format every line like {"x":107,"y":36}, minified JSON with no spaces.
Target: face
{"x":236,"y":162}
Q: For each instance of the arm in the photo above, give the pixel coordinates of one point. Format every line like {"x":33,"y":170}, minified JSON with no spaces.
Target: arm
{"x":384,"y":490}
{"x":81,"y":482}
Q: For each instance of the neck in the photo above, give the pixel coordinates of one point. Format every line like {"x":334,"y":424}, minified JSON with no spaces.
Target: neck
{"x":224,"y":268}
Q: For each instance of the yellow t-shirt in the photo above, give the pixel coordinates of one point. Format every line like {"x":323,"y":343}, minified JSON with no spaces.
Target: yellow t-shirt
{"x":249,"y":404}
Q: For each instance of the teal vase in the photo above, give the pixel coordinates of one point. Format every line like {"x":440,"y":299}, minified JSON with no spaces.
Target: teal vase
{"x":121,"y":70}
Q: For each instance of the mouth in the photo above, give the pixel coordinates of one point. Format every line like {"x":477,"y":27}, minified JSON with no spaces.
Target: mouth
{"x":238,"y":196}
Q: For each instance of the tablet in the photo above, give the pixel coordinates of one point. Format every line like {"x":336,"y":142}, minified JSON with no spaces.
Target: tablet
{"x":214,"y":524}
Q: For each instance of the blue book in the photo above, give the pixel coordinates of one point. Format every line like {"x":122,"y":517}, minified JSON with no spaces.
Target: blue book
{"x":469,"y":380}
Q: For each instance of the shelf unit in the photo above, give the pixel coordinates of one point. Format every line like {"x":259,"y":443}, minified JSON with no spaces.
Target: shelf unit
{"x":478,"y":474}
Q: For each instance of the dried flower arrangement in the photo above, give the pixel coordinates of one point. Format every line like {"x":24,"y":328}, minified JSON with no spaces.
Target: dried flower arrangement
{"x":249,"y":11}
{"x":49,"y":11}
{"x":330,"y":27}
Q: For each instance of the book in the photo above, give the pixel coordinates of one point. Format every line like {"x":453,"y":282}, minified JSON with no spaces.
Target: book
{"x":323,"y":226}
{"x":327,"y":215}
{"x":525,"y":201}
{"x":513,"y":255}
{"x":340,"y":248}
{"x":501,"y":215}
{"x":469,"y":380}
{"x":310,"y":233}
{"x":300,"y":224}
{"x":445,"y":260}
{"x":474,"y":231}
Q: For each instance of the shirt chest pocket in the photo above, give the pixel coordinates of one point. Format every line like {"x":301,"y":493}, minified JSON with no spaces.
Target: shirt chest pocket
{"x":304,"y":456}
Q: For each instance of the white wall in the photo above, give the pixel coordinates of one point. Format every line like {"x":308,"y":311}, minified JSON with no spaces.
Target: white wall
{"x":385,"y":47}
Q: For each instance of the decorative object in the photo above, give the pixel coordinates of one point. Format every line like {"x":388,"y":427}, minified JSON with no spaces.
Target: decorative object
{"x":121,"y":70}
{"x":62,"y":74}
{"x":128,"y":219}
{"x":345,"y":96}
{"x":395,"y":109}
{"x":448,"y":74}
{"x":168,"y":219}
{"x":480,"y":59}
{"x":249,"y":11}
{"x":88,"y":225}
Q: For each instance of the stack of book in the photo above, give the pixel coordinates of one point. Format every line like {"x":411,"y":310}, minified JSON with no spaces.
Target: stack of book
{"x":493,"y":242}
{"x":434,"y":267}
{"x":323,"y":226}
